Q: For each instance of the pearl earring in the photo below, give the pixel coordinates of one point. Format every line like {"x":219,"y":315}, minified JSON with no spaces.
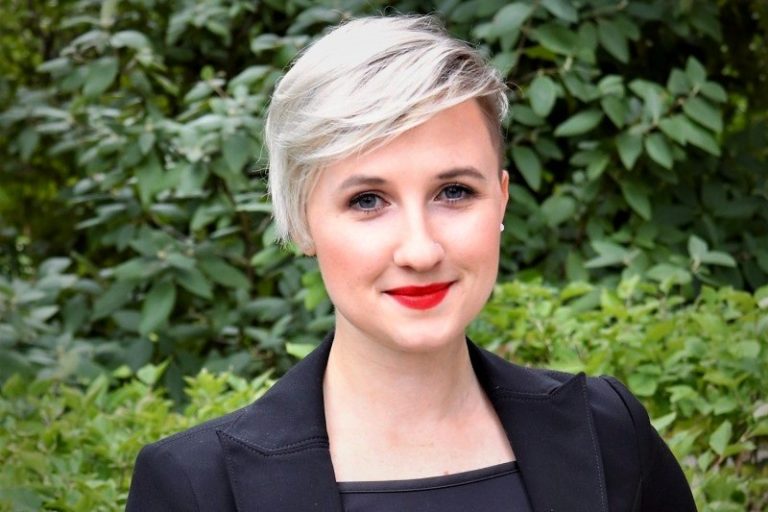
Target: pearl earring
{"x":501,"y":227}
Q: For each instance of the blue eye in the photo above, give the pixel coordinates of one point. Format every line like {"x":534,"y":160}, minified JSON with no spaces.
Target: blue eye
{"x":366,"y":202}
{"x":453,"y":193}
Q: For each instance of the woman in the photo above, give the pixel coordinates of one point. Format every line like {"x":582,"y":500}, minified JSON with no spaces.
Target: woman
{"x":385,"y":146}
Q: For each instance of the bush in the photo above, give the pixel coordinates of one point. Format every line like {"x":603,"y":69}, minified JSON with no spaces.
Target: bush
{"x":71,"y":448}
{"x":134,"y":150}
{"x":699,"y":369}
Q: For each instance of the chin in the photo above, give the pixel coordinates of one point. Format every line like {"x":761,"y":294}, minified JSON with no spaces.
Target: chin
{"x":425,"y":340}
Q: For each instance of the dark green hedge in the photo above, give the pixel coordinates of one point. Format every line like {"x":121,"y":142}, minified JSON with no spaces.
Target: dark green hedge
{"x":130,"y":135}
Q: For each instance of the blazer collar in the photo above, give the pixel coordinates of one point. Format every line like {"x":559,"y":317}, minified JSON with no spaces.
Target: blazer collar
{"x":278,"y":455}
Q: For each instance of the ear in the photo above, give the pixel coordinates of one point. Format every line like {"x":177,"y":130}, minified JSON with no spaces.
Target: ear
{"x":306,"y":246}
{"x":504,"y":184}
{"x":308,"y":250}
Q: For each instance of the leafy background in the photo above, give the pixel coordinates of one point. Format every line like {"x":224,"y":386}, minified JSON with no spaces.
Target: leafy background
{"x":136,"y":246}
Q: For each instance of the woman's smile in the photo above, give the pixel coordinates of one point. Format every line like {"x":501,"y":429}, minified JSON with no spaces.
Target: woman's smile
{"x":420,"y":297}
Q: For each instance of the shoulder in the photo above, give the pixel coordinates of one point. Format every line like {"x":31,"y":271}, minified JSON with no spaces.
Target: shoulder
{"x":620,"y":419}
{"x":181,"y":471}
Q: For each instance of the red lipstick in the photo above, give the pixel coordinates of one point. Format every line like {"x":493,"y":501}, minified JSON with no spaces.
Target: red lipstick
{"x":420,"y":297}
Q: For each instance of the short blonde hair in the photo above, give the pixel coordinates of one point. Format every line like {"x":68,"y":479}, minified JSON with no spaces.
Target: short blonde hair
{"x":362,"y":84}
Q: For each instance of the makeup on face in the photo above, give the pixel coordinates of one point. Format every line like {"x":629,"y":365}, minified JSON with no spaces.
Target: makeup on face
{"x":420,"y":297}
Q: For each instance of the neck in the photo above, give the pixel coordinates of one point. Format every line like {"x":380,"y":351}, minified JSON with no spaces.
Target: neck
{"x":376,"y":383}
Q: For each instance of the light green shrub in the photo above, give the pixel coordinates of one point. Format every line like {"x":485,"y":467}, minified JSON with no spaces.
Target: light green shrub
{"x":699,"y":368}
{"x":68,"y":448}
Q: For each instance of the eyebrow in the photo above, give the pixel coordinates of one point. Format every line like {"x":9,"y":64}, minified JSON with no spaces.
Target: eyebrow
{"x":458,"y":172}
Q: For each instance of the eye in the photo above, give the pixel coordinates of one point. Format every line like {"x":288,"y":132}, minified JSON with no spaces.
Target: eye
{"x":367,"y":202}
{"x":455,"y":192}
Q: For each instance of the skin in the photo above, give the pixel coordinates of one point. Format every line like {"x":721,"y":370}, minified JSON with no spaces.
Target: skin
{"x":401,"y":398}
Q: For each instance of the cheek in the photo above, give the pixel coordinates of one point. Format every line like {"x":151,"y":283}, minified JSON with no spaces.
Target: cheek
{"x":476,"y":240}
{"x":348,"y":255}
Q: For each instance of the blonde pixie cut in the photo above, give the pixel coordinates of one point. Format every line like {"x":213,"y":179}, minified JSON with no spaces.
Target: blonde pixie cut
{"x":363,"y":84}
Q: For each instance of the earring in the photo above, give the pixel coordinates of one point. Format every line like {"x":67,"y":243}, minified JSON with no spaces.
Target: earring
{"x":501,"y":227}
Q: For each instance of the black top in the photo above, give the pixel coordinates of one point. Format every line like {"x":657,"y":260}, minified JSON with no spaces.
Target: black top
{"x":493,"y":489}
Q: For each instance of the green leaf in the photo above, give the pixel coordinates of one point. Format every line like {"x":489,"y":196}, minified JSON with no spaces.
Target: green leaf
{"x":703,"y":112}
{"x":157,"y":306}
{"x":505,"y":61}
{"x":597,"y":166}
{"x":652,"y":104}
{"x":612,"y":85}
{"x":674,"y":128}
{"x":661,"y":423}
{"x":664,"y":272}
{"x":613,"y":40}
{"x":542,"y":94}
{"x":699,"y":137}
{"x":116,"y":296}
{"x":557,"y":38}
{"x":558,"y":209}
{"x":718,"y":258}
{"x":562,"y":9}
{"x":131,"y":39}
{"x":223,"y":273}
{"x":630,"y":146}
{"x":616,"y":109}
{"x":28,"y":141}
{"x":609,"y":253}
{"x":658,"y":149}
{"x":237,"y":150}
{"x":695,"y":72}
{"x":511,"y":17}
{"x":677,"y":83}
{"x":137,"y":268}
{"x":249,"y":76}
{"x":299,"y":350}
{"x":643,"y":383}
{"x":151,"y":373}
{"x":525,"y":115}
{"x":697,"y":247}
{"x":746,"y":349}
{"x":99,"y":76}
{"x":628,"y":27}
{"x":194,"y":281}
{"x":579,"y":123}
{"x":527,"y":162}
{"x":636,"y":196}
{"x":150,"y":179}
{"x":720,"y":438}
{"x":714,"y":91}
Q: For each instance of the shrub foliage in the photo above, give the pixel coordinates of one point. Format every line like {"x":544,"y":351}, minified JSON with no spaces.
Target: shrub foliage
{"x":131,"y":140}
{"x":699,"y":368}
{"x":136,"y":241}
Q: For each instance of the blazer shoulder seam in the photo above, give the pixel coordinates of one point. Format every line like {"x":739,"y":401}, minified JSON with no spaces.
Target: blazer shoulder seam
{"x":193,"y":431}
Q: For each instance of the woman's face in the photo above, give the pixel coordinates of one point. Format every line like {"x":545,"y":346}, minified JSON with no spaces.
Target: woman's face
{"x":407,"y":236}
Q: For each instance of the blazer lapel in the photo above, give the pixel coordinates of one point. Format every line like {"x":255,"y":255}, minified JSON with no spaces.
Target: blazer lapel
{"x":551,"y":430}
{"x":277,"y":451}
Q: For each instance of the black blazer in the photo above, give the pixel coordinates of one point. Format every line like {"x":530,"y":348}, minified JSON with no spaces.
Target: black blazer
{"x":583,"y":445}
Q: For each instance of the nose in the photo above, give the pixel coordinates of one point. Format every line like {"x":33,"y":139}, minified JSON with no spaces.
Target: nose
{"x":417,"y":248}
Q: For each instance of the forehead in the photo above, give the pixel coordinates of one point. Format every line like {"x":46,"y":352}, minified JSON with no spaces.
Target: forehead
{"x":457,"y":137}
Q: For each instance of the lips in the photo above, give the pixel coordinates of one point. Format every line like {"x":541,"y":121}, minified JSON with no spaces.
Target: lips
{"x":420,"y":297}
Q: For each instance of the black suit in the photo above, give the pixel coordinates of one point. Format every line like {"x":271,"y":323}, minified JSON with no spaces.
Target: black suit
{"x":583,"y":445}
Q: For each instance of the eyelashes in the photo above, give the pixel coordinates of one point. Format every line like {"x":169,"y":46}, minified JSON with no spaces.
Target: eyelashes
{"x":367,"y":202}
{"x":372,"y":202}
